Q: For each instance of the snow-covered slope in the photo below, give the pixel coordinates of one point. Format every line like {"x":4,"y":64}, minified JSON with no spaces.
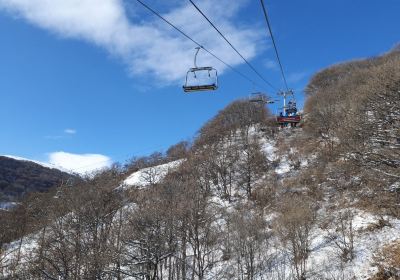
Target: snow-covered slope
{"x":150,"y":175}
{"x":324,"y":259}
{"x":274,"y":262}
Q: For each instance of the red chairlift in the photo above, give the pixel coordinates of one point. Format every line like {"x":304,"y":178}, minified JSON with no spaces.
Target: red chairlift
{"x":289,"y":115}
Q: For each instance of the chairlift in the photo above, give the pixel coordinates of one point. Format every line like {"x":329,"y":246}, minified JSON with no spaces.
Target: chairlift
{"x":289,"y":114}
{"x":259,"y":97}
{"x":200,"y":78}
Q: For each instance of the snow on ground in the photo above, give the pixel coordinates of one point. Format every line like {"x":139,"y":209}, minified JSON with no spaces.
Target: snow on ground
{"x":324,"y":259}
{"x":150,"y":175}
{"x":283,"y":167}
{"x":269,"y":149}
{"x":23,"y":248}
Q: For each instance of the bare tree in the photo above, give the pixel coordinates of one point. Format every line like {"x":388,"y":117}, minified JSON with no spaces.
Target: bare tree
{"x":342,"y":234}
{"x":249,"y":239}
{"x":253,"y":164}
{"x":294,"y":228}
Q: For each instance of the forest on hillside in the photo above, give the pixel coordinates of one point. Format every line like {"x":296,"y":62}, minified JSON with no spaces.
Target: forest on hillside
{"x":229,"y":210}
{"x":18,"y":178}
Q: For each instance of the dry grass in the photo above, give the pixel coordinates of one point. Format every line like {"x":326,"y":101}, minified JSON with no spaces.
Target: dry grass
{"x":388,"y":262}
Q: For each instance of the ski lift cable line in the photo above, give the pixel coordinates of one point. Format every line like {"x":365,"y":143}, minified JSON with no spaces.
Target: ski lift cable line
{"x":274,"y":43}
{"x":197,"y":43}
{"x":232,"y":46}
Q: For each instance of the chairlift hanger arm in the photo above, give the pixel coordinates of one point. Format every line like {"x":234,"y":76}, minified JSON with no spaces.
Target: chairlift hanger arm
{"x":195,"y":56}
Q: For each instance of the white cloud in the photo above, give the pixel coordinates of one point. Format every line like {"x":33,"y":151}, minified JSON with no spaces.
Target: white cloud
{"x":70,"y":131}
{"x":297,"y":77}
{"x":79,"y":163}
{"x":145,"y":46}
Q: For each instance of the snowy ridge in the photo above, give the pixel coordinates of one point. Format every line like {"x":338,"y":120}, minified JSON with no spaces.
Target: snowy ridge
{"x":150,"y":175}
{"x":43,"y":164}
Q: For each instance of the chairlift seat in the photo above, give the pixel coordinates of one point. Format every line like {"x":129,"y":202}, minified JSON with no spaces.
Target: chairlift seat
{"x":210,"y":84}
{"x":198,"y":69}
{"x":199,"y":88}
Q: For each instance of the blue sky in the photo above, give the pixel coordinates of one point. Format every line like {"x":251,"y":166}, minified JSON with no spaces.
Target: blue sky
{"x":105,"y":79}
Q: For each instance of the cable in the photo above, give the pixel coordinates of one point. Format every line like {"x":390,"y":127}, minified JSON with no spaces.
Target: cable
{"x":273,"y":42}
{"x":195,"y":42}
{"x":222,"y":35}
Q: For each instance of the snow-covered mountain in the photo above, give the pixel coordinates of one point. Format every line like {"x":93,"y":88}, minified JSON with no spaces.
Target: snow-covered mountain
{"x":47,"y":165}
{"x":19,"y":176}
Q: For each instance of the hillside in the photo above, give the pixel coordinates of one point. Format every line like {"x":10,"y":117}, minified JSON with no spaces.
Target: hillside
{"x":20,"y":177}
{"x":245,"y":200}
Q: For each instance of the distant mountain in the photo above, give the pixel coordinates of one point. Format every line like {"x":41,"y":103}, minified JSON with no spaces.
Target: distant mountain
{"x":48,"y":165}
{"x":20,"y":176}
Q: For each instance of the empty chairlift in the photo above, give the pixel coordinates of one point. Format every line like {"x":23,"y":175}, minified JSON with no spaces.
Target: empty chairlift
{"x":261,"y":98}
{"x":200,"y":78}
